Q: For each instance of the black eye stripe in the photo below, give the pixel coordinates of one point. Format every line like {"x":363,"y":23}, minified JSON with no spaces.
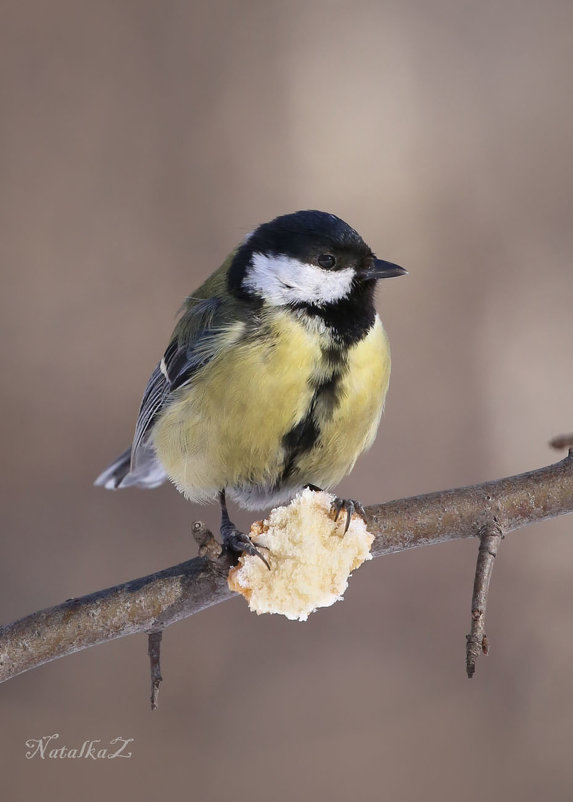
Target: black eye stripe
{"x":326,"y":260}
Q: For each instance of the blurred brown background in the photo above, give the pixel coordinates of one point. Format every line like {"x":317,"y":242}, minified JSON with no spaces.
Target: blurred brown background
{"x":139,"y":142}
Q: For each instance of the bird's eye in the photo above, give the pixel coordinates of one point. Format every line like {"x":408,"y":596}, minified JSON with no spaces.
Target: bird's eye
{"x":326,"y":260}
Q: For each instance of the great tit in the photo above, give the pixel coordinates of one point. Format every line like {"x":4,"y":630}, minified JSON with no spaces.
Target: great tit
{"x":275,"y":376}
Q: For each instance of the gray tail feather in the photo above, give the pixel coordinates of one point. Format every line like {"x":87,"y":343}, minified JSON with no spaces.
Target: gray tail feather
{"x":148,"y":472}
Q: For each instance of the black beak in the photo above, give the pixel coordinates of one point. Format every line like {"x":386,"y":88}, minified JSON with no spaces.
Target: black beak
{"x":381,"y":269}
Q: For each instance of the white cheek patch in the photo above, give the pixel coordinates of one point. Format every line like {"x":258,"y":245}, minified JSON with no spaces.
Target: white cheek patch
{"x":282,"y":280}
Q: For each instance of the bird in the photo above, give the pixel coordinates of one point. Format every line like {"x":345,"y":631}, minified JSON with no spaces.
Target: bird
{"x":274,"y":378}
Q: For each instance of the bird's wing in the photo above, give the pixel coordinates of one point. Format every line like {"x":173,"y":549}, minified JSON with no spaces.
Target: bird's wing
{"x":196,"y":340}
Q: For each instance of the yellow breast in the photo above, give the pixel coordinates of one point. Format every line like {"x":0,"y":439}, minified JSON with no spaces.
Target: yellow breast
{"x":226,"y":428}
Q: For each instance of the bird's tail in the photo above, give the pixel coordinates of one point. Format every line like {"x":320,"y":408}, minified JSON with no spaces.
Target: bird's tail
{"x":147,"y":473}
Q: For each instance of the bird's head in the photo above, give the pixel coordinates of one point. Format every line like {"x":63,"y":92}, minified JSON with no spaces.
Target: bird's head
{"x":307,"y":258}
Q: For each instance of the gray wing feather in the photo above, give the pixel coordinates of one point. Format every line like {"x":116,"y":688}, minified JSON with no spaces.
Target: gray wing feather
{"x":148,"y":473}
{"x":156,"y":392}
{"x":139,"y":465}
{"x":180,"y":361}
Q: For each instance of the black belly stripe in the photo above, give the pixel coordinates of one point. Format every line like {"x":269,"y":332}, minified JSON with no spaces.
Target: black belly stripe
{"x":300,"y":439}
{"x":303,"y":437}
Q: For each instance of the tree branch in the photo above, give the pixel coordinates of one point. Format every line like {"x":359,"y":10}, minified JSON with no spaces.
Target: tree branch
{"x":154,"y":602}
{"x":154,"y":652}
{"x":562,"y":441}
{"x":490,"y":537}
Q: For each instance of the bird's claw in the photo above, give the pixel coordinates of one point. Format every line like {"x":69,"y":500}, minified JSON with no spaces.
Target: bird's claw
{"x":241,"y":543}
{"x":351,"y":506}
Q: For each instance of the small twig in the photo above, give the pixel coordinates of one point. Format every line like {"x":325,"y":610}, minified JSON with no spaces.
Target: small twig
{"x":208,"y":545}
{"x":210,"y":550}
{"x":476,"y":641}
{"x":154,"y":652}
{"x":562,"y":441}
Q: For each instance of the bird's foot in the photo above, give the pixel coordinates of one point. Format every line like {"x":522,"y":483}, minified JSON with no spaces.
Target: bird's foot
{"x":350,"y":505}
{"x":240,"y":543}
{"x":234,"y":539}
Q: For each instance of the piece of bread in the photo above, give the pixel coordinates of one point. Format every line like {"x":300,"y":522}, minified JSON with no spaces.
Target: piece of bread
{"x":310,"y":557}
